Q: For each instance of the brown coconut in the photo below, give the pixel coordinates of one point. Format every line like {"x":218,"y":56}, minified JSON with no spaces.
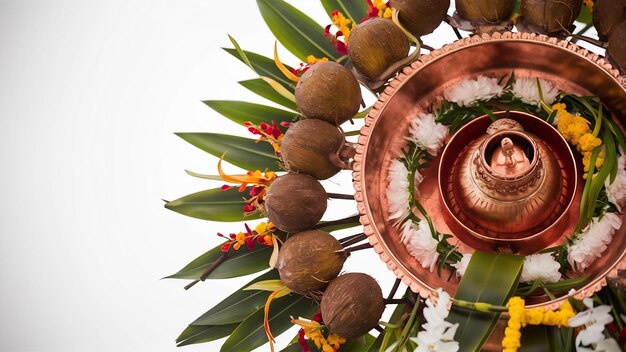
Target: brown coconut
{"x":352,"y":305}
{"x":375,"y":45}
{"x":295,"y":202}
{"x":607,"y":14}
{"x":551,"y":15}
{"x":308,"y":260}
{"x":328,"y":91}
{"x":421,"y":17}
{"x":617,"y":46}
{"x":490,"y":11}
{"x":311,"y":147}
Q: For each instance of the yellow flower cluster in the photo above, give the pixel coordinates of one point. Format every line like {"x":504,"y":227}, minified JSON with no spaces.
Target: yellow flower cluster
{"x":520,"y":317}
{"x":575,"y":129}
{"x":512,"y":335}
{"x":343,"y":24}
{"x":384,"y":11}
{"x":314,"y":333}
{"x":313,"y":60}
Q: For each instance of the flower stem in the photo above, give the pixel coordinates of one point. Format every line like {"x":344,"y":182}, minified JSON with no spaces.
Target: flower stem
{"x":208,"y":270}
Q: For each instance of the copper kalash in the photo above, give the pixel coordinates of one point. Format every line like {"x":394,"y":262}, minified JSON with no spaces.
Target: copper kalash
{"x":504,"y":188}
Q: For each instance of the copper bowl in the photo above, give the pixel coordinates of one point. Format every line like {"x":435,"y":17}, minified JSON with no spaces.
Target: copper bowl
{"x":531,"y":210}
{"x":421,"y":84}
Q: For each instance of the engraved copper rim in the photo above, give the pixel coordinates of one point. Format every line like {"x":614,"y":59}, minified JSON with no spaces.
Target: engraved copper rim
{"x":569,"y":67}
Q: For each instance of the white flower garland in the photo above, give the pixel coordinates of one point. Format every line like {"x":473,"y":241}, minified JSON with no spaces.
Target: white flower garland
{"x":428,"y":135}
{"x":593,"y":319}
{"x":437,"y":333}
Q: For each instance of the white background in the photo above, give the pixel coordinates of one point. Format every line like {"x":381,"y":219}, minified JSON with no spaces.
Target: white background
{"x":90,"y":95}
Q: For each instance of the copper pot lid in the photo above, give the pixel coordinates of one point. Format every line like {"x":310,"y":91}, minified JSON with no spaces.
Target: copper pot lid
{"x":569,"y":67}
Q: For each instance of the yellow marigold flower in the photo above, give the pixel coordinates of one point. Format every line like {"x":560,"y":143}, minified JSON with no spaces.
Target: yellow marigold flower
{"x":587,"y":142}
{"x":335,"y":340}
{"x":342,"y":23}
{"x":313,"y":60}
{"x":535,"y":316}
{"x":512,"y":335}
{"x":383,"y":10}
{"x":587,"y":159}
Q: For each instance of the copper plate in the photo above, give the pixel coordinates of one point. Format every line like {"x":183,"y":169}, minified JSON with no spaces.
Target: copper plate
{"x":569,"y":67}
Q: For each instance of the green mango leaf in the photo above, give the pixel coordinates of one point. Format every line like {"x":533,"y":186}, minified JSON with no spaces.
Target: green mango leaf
{"x":242,"y":111}
{"x":239,"y":263}
{"x":242,"y":152}
{"x":489,"y":278}
{"x":353,"y":10}
{"x":358,"y":344}
{"x":295,"y":346}
{"x":238,"y":306}
{"x":264,"y":66}
{"x":266,"y":91}
{"x":250,"y":334}
{"x":213,"y":204}
{"x":296,"y":31}
{"x":200,"y":334}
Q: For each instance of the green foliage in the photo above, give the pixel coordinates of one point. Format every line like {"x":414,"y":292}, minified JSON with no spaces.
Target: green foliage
{"x":250,"y":334}
{"x":200,"y":334}
{"x":242,"y":111}
{"x":263,"y":66}
{"x":266,"y":91}
{"x":213,"y":204}
{"x":355,"y":10}
{"x":236,"y":307}
{"x":238,"y":263}
{"x":489,"y":278}
{"x":245,"y":153}
{"x":296,"y":31}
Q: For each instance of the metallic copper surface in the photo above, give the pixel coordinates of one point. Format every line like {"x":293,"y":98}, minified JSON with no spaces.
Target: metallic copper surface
{"x":569,"y":67}
{"x":520,"y":213}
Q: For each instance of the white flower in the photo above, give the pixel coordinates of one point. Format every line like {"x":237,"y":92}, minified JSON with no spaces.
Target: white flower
{"x":593,"y":241}
{"x":594,"y":320}
{"x":616,"y":191}
{"x":469,"y":91}
{"x":420,"y":243}
{"x":427,"y":133}
{"x":398,"y":191}
{"x":461,"y":265}
{"x":526,"y":90}
{"x":438,"y":334}
{"x":540,"y":266}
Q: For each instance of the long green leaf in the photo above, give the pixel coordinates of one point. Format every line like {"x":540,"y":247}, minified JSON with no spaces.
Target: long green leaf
{"x":239,"y":263}
{"x":250,"y":334}
{"x":264,"y":90}
{"x":238,"y":306}
{"x":489,"y":278}
{"x":200,"y":334}
{"x":353,"y":10}
{"x":213,"y":204}
{"x":242,"y":152}
{"x":242,"y":111}
{"x":295,"y":30}
{"x":263,"y":66}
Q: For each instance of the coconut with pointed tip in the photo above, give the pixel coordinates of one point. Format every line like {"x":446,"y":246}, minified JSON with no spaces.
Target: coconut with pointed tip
{"x":489,"y":11}
{"x":421,"y":17}
{"x":607,"y":14}
{"x":328,"y":91}
{"x":375,"y":45}
{"x":295,"y":202}
{"x":551,"y":15}
{"x":352,"y":305}
{"x":311,"y":147}
{"x":308,"y":260}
